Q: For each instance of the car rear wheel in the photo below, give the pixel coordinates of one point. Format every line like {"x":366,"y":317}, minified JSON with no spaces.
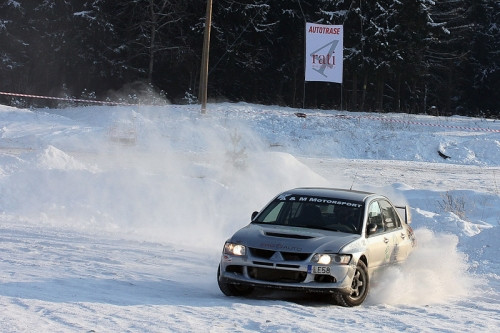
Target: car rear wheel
{"x":233,"y":289}
{"x":359,"y":287}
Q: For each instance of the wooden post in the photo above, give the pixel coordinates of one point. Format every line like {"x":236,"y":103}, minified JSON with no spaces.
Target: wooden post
{"x":202,"y":94}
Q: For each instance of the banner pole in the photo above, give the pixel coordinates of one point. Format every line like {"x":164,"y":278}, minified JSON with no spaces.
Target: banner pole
{"x":305,"y":62}
{"x":305,"y":56}
{"x":342,"y":96}
{"x":304,"y":96}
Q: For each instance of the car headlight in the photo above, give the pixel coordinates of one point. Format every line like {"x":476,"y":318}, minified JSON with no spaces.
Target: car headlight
{"x":234,"y":249}
{"x":327,"y":259}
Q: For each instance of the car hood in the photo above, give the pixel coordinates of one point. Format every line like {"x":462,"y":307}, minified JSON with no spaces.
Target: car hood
{"x":292,"y":239}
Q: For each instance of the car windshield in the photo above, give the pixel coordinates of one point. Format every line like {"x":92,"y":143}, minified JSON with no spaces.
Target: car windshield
{"x":313,"y":212}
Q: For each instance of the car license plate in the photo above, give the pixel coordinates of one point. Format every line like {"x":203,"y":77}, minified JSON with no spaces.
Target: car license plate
{"x":318,"y":269}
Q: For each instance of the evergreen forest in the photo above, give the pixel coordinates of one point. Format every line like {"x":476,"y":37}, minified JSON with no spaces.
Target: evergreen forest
{"x":414,"y":56}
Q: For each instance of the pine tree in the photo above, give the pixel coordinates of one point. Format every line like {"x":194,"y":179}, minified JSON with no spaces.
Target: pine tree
{"x":15,"y":41}
{"x":448,"y":54}
{"x":414,"y":30}
{"x":480,"y":91}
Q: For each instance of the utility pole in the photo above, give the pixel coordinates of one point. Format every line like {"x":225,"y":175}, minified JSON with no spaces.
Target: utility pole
{"x":202,"y":93}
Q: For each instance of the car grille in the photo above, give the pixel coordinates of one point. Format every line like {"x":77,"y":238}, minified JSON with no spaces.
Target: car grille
{"x":276,"y":275}
{"x":287,"y":256}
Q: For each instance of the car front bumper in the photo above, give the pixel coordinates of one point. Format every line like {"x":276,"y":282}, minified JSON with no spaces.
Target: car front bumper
{"x":285,"y":275}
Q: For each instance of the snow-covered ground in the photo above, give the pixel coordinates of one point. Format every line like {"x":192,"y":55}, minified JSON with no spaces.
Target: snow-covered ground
{"x":112,"y":219}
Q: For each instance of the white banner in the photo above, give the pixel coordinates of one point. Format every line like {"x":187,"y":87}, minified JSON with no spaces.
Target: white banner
{"x":324,"y":52}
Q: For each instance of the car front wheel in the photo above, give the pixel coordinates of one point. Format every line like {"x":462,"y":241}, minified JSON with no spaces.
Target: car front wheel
{"x":232,"y":289}
{"x":359,"y":287}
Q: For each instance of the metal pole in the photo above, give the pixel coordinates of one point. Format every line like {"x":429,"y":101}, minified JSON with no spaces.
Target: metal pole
{"x":202,"y":94}
{"x":341,"y":96}
{"x":305,"y":57}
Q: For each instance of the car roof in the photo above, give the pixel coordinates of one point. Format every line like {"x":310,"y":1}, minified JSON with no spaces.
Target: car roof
{"x":336,"y":193}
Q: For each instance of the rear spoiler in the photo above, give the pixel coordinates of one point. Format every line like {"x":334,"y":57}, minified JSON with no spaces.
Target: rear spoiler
{"x":404,"y":212}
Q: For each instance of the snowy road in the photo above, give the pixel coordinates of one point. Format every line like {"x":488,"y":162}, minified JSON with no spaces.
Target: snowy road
{"x":65,"y":280}
{"x":60,"y":281}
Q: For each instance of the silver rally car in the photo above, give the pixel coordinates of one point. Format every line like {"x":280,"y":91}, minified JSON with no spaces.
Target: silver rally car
{"x":317,"y":240}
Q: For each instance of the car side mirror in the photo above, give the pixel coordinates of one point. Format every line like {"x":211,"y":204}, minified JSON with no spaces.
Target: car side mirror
{"x":254,"y":214}
{"x":371,"y":228}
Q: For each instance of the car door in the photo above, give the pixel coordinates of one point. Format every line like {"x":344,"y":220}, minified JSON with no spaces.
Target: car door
{"x":395,"y":232}
{"x":380,"y":244}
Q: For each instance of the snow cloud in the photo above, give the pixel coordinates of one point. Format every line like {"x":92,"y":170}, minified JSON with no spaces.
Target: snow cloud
{"x":436,"y":272}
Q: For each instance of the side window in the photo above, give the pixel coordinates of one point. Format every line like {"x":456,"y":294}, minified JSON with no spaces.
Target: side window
{"x":375,"y":216}
{"x":390,"y":217}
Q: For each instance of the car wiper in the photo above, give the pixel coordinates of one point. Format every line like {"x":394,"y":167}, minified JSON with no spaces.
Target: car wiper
{"x":315,"y":227}
{"x":267,"y":223}
{"x":326,"y":228}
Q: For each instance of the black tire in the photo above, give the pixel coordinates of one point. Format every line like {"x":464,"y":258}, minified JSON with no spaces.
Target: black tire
{"x":360,"y":286}
{"x":233,"y":289}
